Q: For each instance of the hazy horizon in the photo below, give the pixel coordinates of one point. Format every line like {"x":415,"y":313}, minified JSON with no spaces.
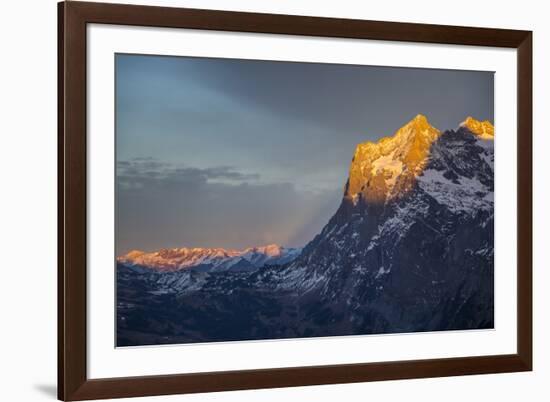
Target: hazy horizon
{"x":239,"y":153}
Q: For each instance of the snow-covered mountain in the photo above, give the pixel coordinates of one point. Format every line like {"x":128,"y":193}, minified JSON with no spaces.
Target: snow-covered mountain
{"x":386,"y":169}
{"x":209,"y":259}
{"x":437,"y":213}
{"x":409,"y":249}
{"x":483,"y":129}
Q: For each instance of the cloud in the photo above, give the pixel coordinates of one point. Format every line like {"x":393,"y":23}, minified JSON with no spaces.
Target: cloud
{"x":148,"y":172}
{"x":163,"y":205}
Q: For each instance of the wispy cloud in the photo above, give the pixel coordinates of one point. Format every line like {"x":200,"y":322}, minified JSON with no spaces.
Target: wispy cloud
{"x":142,"y":172}
{"x":161,"y":204}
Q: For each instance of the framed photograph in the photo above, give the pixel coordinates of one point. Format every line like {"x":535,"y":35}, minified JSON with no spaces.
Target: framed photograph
{"x":253,"y":201}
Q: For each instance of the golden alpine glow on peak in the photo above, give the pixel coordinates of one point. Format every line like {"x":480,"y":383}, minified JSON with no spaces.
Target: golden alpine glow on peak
{"x":384,"y":169}
{"x":483,"y":129}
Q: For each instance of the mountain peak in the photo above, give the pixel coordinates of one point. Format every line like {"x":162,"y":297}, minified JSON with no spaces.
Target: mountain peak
{"x":384,"y":169}
{"x":483,"y":129}
{"x":420,"y":119}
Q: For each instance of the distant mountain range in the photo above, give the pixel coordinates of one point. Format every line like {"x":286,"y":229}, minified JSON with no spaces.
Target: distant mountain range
{"x":208,"y":259}
{"x":410,"y":248}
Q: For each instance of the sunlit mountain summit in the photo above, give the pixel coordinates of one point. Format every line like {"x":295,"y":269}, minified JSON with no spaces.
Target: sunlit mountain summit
{"x":385,"y":169}
{"x":483,"y":129}
{"x":388,"y":168}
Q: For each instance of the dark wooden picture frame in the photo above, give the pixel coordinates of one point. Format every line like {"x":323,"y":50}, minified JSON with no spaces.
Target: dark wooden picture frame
{"x":73,"y":383}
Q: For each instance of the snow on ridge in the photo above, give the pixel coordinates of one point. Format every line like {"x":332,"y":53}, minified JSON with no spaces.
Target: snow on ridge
{"x":468,"y":195}
{"x":168,"y":260}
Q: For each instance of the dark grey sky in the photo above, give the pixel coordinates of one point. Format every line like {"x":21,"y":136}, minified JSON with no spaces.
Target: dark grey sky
{"x":236,"y":153}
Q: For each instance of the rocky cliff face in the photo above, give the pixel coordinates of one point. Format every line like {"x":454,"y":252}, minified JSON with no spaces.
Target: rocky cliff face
{"x":386,"y":169}
{"x":410,"y":249}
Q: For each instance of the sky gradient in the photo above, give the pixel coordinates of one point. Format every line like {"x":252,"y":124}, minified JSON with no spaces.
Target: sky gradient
{"x":237,"y":153}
